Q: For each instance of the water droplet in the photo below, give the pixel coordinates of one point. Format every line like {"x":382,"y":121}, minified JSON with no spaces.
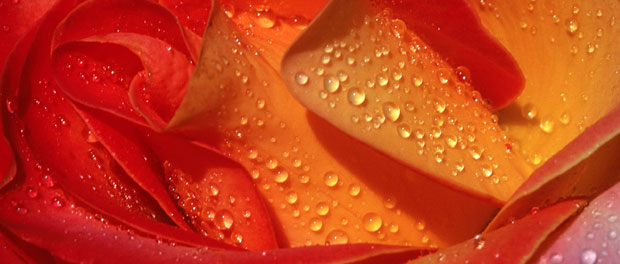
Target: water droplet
{"x":372,"y":222}
{"x":397,"y":75}
{"x":564,"y":118}
{"x":229,"y":10}
{"x":417,"y":81}
{"x":475,"y":152}
{"x":443,"y":75}
{"x":281,"y":175}
{"x":529,"y":111}
{"x":463,"y":74}
{"x":440,"y":105}
{"x":391,"y":111}
{"x":342,"y":76}
{"x":322,"y":208}
{"x":451,"y":140}
{"x":337,"y":237}
{"x":330,"y":179}
{"x":398,"y":28}
{"x":212,"y":190}
{"x":389,"y":202}
{"x":356,"y":97}
{"x":331,"y":83}
{"x":394,"y":228}
{"x":420,"y":225}
{"x":271,"y":163}
{"x":588,"y":257}
{"x":556,"y":258}
{"x":479,"y":242}
{"x":572,"y":26}
{"x":315,"y":224}
{"x":301,"y":78}
{"x":32,"y":192}
{"x":487,"y":170}
{"x":291,"y":197}
{"x":260,"y":103}
{"x":265,"y":19}
{"x":57,"y":202}
{"x":21,"y":210}
{"x":326,"y":59}
{"x":354,"y":189}
{"x":252,"y":153}
{"x":382,"y":79}
{"x":404,"y":130}
{"x":304,"y":179}
{"x":223,"y":219}
{"x":546,"y":125}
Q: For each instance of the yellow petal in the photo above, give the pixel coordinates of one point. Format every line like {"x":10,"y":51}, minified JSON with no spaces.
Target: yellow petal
{"x":568,"y":52}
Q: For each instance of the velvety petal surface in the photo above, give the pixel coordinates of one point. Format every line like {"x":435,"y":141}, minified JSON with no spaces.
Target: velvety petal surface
{"x":584,"y":168}
{"x":514,"y":243}
{"x":568,"y":53}
{"x":365,"y":72}
{"x":318,"y":192}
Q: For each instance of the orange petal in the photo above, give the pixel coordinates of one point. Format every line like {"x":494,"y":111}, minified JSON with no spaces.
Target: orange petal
{"x":514,"y":243}
{"x":362,"y":71}
{"x":568,"y":51}
{"x":318,"y":191}
{"x":584,"y":168}
{"x":272,"y":25}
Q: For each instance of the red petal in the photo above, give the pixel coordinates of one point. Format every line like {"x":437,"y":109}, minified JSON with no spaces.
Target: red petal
{"x":88,"y":237}
{"x":585,"y":167}
{"x":47,"y":121}
{"x":18,"y":17}
{"x":453,"y":29}
{"x":193,"y":14}
{"x":155,"y":92}
{"x":201,"y":181}
{"x":115,"y":16}
{"x":592,"y":237}
{"x":513,"y":243}
{"x":9,"y":253}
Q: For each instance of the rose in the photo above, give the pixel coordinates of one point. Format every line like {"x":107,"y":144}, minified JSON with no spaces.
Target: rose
{"x":126,"y":143}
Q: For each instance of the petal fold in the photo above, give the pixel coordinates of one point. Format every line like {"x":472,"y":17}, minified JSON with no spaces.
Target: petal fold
{"x":364,"y":71}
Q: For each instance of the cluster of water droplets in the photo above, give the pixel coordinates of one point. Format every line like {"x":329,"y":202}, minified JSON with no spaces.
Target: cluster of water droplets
{"x":393,"y":81}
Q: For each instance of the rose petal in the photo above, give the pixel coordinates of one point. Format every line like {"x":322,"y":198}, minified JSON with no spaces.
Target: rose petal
{"x":515,"y":243}
{"x":219,"y":199}
{"x":155,"y":91}
{"x":454,"y":31}
{"x":584,"y":168}
{"x":592,"y":236}
{"x":18,"y":17}
{"x":89,"y":237}
{"x":117,"y":16}
{"x":318,"y":191}
{"x":48,"y":123}
{"x":192,"y":14}
{"x":364,"y":72}
{"x":569,"y":57}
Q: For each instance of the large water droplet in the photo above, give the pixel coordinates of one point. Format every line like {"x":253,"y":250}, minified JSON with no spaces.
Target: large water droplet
{"x":391,"y":111}
{"x":315,"y":224}
{"x":281,"y":175}
{"x":223,"y":219}
{"x":322,"y":208}
{"x":330,"y":179}
{"x":337,"y":237}
{"x":372,"y":222}
{"x":588,"y":257}
{"x":404,"y":130}
{"x":331,"y":83}
{"x":356,"y":96}
{"x":301,"y":78}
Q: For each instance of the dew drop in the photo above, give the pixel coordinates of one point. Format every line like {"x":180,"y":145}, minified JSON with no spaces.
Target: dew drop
{"x":372,"y":222}
{"x":389,"y":202}
{"x":322,"y":208}
{"x":330,"y":179}
{"x":404,"y":130}
{"x":443,"y":75}
{"x":391,"y":111}
{"x":223,"y":219}
{"x":326,"y":59}
{"x":265,"y":19}
{"x":271,"y":163}
{"x":451,"y":141}
{"x":337,"y":237}
{"x":331,"y":83}
{"x":417,"y":81}
{"x":356,"y":97}
{"x":315,"y":224}
{"x":487,"y":170}
{"x":291,"y":197}
{"x":301,"y":78}
{"x":564,"y":118}
{"x":588,"y":257}
{"x":572,"y":26}
{"x":394,"y":228}
{"x":479,"y":242}
{"x":281,"y":175}
{"x":398,"y":28}
{"x":475,"y":152}
{"x":546,"y":126}
{"x":354,"y":189}
{"x":529,"y":111}
{"x":556,"y":258}
{"x":382,"y":79}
